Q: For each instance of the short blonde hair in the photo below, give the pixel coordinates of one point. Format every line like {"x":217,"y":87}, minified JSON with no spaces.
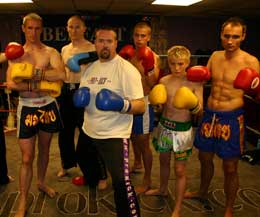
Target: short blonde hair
{"x":31,"y":16}
{"x":179,"y":51}
{"x":143,"y":24}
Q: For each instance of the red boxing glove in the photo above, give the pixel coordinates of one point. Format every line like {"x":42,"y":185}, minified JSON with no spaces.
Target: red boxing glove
{"x":146,"y":55}
{"x":13,"y":50}
{"x":198,"y":74}
{"x":248,"y":80}
{"x":127,"y":52}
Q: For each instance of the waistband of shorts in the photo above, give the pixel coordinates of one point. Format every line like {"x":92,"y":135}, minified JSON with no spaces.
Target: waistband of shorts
{"x":175,"y":125}
{"x":35,"y":102}
{"x":70,"y":86}
{"x":229,"y":114}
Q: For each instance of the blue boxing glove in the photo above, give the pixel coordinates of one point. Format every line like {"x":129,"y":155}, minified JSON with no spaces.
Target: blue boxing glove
{"x":82,"y":58}
{"x":81,"y":97}
{"x":108,"y":100}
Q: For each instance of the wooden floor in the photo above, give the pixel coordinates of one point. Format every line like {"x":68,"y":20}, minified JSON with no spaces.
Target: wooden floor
{"x":74,"y":201}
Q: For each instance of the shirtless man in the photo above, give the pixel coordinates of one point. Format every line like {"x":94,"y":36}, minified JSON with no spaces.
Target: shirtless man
{"x":37,"y":75}
{"x":222,"y":128}
{"x":147,"y":62}
{"x":72,"y":117}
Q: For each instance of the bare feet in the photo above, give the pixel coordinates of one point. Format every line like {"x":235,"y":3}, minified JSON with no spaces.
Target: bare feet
{"x":47,"y":190}
{"x":20,"y":213}
{"x":62,"y":173}
{"x":228,"y":213}
{"x":190,"y":195}
{"x":7,"y":180}
{"x":63,"y":176}
{"x":11,"y":179}
{"x":102,"y":184}
{"x":175,"y":214}
{"x":198,"y":197}
{"x":142,"y":188}
{"x":156,"y":192}
{"x":136,"y":168}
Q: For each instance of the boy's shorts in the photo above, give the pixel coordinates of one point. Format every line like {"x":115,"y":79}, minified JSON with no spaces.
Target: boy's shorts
{"x":174,"y":136}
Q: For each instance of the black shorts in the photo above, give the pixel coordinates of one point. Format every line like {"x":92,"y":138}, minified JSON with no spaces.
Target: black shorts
{"x":44,"y":117}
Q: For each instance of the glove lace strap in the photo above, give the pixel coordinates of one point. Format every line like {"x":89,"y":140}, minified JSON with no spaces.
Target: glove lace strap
{"x":39,"y":74}
{"x":32,"y":85}
{"x":29,"y":86}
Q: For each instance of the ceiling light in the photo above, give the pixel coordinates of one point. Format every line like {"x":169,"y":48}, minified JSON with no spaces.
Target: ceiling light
{"x":175,"y":2}
{"x":16,"y":1}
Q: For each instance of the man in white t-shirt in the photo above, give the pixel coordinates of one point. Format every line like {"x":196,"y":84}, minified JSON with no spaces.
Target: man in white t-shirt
{"x":111,"y":92}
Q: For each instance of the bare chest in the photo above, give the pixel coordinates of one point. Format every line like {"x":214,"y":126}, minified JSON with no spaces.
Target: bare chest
{"x":38,"y":58}
{"x":226,"y":71}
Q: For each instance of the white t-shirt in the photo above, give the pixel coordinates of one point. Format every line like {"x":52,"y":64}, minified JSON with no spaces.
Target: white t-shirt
{"x":121,"y":77}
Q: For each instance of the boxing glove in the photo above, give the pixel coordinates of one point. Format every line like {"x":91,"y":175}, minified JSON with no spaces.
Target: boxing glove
{"x":184,"y":98}
{"x":81,"y":97}
{"x":248,"y":80}
{"x":25,"y":71}
{"x":13,"y":50}
{"x":145,"y":54}
{"x":158,"y":95}
{"x":198,"y":74}
{"x":53,"y":88}
{"x":108,"y":100}
{"x":127,"y":52}
{"x":75,"y":61}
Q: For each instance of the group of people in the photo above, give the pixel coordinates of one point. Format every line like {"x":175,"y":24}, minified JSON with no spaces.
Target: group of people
{"x":109,"y":97}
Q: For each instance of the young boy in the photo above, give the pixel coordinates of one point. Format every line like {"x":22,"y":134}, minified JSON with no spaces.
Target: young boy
{"x":181,"y":99}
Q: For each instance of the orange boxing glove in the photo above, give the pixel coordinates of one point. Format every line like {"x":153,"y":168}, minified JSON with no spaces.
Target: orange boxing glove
{"x":127,"y":52}
{"x":145,"y":54}
{"x":198,"y":74}
{"x":248,"y":80}
{"x":13,"y":50}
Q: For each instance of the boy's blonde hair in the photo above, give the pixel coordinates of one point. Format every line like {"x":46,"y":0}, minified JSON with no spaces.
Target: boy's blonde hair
{"x":179,"y":51}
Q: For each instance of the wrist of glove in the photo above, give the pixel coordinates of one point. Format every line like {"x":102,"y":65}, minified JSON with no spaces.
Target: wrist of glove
{"x":107,"y":100}
{"x":149,"y":72}
{"x":196,"y":109}
{"x":126,"y":107}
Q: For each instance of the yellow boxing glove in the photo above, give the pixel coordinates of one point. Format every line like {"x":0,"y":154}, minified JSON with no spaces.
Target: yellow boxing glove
{"x":184,"y":98}
{"x":158,"y":95}
{"x":53,"y":88}
{"x":25,"y":71}
{"x":21,"y":71}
